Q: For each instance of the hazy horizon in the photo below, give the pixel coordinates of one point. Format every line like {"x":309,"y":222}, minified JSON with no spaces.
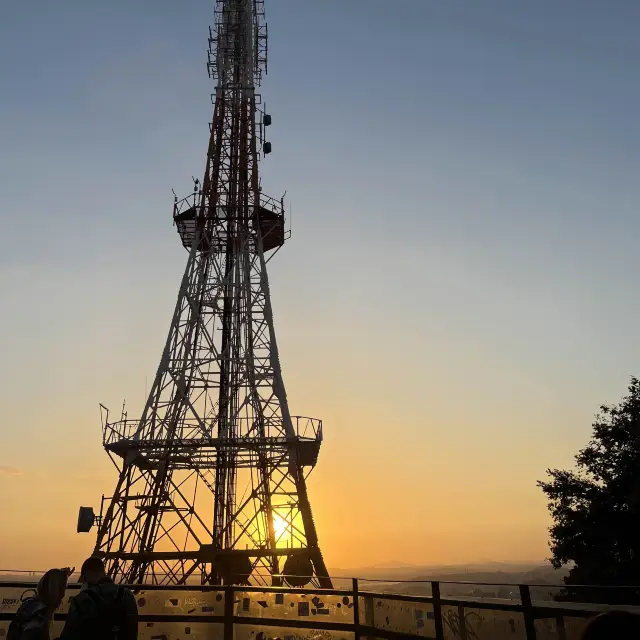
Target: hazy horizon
{"x":485,"y":566}
{"x":456,"y":301}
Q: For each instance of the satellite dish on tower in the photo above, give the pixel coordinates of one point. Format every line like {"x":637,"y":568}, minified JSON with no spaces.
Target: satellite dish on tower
{"x":86,"y":519}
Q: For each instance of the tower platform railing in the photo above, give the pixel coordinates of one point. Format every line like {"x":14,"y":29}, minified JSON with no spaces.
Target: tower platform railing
{"x":269,"y":216}
{"x":246,"y":430}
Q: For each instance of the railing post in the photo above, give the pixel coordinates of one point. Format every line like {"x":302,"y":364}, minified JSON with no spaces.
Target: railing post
{"x":462,"y":622}
{"x":356,"y":610}
{"x":437,"y":610}
{"x":527,"y":610}
{"x":368,"y":614}
{"x":560,"y":628}
{"x":228,"y":612}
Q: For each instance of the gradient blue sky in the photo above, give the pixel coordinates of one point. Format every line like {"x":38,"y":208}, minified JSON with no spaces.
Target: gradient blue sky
{"x":459,"y":294}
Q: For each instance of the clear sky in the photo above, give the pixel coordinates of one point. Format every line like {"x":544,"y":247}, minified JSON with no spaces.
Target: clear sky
{"x":459,"y":294}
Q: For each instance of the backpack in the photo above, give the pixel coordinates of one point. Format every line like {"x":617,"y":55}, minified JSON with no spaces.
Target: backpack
{"x":108,"y":619}
{"x":29,"y":613}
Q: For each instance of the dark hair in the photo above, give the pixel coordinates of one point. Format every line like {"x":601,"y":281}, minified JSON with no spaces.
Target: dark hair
{"x":621,"y":625}
{"x":92,"y":565}
{"x":51,"y":587}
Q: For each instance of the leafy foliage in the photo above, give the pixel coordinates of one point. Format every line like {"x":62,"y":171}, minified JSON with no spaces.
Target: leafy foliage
{"x":596,"y":508}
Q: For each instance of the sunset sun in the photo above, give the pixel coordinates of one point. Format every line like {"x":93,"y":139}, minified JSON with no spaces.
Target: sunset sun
{"x":280,"y":526}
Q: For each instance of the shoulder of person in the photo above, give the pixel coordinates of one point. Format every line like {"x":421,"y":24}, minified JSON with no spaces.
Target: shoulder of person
{"x":82,"y":600}
{"x":25,"y":605}
{"x":129,"y":595}
{"x":31,"y":606}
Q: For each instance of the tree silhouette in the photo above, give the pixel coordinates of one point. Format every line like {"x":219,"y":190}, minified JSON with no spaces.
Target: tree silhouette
{"x":596,"y":508}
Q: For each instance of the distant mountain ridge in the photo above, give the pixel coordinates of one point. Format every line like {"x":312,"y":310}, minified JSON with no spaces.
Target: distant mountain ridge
{"x":490,"y":571}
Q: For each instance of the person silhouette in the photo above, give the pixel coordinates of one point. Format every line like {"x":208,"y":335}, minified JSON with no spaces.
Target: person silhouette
{"x":621,"y":625}
{"x":33,"y":618}
{"x":102,"y":610}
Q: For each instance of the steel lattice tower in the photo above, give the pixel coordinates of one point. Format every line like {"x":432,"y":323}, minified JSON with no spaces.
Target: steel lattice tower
{"x":212,"y":477}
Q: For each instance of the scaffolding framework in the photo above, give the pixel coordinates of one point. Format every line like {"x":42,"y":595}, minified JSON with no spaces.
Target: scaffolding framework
{"x":212,"y":476}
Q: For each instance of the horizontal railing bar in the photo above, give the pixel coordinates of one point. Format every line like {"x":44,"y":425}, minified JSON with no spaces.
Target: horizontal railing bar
{"x":295,"y":590}
{"x":397,"y":581}
{"x":388,"y":634}
{"x":199,"y":587}
{"x":294,"y":623}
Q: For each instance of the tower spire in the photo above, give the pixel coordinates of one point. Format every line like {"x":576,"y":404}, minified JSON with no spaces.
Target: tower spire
{"x":212,"y":477}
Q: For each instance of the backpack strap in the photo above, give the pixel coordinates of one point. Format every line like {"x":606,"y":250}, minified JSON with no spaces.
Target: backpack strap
{"x":95,"y":598}
{"x":119,"y":595}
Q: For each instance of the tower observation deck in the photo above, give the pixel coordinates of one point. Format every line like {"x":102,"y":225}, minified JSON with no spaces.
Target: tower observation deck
{"x":212,"y":476}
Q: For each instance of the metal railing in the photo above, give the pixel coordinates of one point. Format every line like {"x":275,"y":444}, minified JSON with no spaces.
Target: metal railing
{"x":357,"y":611}
{"x":305,"y":428}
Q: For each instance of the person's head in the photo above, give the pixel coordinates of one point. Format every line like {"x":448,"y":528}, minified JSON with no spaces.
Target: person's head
{"x":620,"y":625}
{"x":51,"y":588}
{"x":92,"y":570}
